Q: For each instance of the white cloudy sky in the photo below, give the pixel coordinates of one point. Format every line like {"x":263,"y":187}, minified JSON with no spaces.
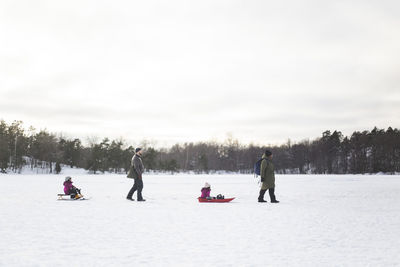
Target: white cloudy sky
{"x":176,"y":71}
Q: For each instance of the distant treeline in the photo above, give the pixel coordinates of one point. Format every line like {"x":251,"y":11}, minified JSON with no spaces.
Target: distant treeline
{"x":363,"y":152}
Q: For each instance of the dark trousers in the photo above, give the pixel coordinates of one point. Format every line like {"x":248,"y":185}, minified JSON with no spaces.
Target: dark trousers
{"x":138,"y":185}
{"x":74,"y":191}
{"x":271,"y":192}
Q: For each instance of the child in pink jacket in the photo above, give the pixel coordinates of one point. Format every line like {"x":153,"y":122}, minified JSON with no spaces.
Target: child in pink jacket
{"x":69,"y":189}
{"x":205,"y":191}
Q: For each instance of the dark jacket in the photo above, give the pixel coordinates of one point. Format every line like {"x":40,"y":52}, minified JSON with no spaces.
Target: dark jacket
{"x":137,"y":165}
{"x":267,"y":173}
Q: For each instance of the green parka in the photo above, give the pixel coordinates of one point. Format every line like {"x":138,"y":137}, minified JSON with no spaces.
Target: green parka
{"x":267,"y":173}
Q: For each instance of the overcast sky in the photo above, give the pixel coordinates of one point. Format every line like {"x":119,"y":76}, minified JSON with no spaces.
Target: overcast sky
{"x":177,"y":71}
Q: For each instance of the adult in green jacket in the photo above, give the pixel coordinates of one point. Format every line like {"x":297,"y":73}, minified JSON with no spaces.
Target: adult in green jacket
{"x":267,"y":177}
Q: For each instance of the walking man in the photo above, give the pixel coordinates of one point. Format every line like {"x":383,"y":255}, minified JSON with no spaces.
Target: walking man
{"x":137,"y":170}
{"x":267,"y":178}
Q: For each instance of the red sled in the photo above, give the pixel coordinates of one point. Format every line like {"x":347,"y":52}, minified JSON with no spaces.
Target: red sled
{"x":214,"y":200}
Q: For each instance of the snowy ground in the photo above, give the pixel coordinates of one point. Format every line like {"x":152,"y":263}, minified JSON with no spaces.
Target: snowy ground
{"x":321,"y":221}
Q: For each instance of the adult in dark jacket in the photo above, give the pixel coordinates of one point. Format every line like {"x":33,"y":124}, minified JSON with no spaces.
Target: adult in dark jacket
{"x":137,"y":171}
{"x":267,"y":178}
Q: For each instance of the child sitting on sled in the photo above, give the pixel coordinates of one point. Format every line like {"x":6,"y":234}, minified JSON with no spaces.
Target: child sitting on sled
{"x":206,"y":190}
{"x":69,"y":189}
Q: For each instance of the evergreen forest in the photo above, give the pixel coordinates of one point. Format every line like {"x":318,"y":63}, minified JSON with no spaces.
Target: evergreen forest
{"x":375,"y":151}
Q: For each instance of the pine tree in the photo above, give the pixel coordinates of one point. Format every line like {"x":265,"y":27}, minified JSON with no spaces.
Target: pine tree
{"x":58,"y":167}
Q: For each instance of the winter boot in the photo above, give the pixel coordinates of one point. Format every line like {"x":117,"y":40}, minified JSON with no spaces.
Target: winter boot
{"x":261,"y":196}
{"x":139,"y":194}
{"x":272,"y":195}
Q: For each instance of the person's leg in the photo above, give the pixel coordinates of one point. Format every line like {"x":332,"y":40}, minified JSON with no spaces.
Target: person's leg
{"x":139,"y":190}
{"x":133,"y":189}
{"x":77,"y":193}
{"x":261,"y":196}
{"x":72,"y":192}
{"x":272,"y":195}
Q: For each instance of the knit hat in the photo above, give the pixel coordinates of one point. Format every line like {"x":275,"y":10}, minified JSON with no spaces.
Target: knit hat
{"x":137,"y":149}
{"x":268,"y":153}
{"x":207,"y":185}
{"x":68,"y":178}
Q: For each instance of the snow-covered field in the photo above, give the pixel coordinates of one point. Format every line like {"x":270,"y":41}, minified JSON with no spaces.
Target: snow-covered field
{"x":321,"y":221}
